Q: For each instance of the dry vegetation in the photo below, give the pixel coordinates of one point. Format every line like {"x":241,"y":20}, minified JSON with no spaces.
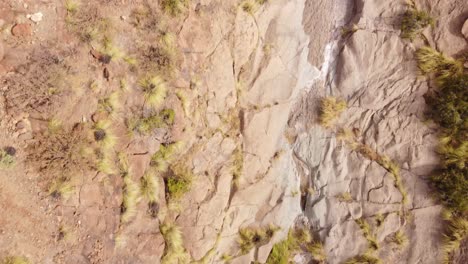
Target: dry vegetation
{"x":448,"y":102}
{"x":298,"y":240}
{"x":414,"y":22}
{"x":330,"y":110}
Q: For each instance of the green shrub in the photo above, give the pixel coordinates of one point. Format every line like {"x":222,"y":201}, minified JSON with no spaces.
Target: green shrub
{"x":450,"y":104}
{"x":414,"y":22}
{"x":283,"y":251}
{"x":452,"y":186}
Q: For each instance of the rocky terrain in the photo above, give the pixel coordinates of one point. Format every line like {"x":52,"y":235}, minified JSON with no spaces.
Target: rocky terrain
{"x":192,"y":131}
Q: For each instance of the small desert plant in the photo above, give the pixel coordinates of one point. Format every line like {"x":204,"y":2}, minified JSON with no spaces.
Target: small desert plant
{"x":61,"y":188}
{"x":71,"y":6}
{"x":63,"y":153}
{"x":255,"y":237}
{"x":103,"y":135}
{"x":165,"y":156}
{"x":237,"y":165}
{"x":179,"y":182}
{"x":363,"y":259}
{"x":130,"y":199}
{"x":184,"y":100}
{"x":248,"y":6}
{"x":7,"y":157}
{"x":149,"y":187}
{"x":163,"y":119}
{"x":54,"y":125}
{"x":155,"y":90}
{"x":297,"y":239}
{"x":432,"y":61}
{"x":111,"y":103}
{"x":105,"y":164}
{"x":174,"y":7}
{"x":174,"y":251}
{"x":345,"y":31}
{"x":399,"y":238}
{"x":15,"y":260}
{"x":345,"y":197}
{"x":414,"y":22}
{"x":330,"y":109}
{"x":379,"y":219}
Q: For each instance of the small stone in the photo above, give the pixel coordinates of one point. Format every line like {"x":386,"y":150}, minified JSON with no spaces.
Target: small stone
{"x":21,"y":30}
{"x":37,"y":17}
{"x":123,"y":18}
{"x":464,"y":30}
{"x":20,"y":125}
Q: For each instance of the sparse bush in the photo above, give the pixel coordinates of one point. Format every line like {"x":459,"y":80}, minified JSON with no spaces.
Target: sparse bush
{"x":414,"y":22}
{"x":63,"y":153}
{"x":431,"y":61}
{"x":330,"y":110}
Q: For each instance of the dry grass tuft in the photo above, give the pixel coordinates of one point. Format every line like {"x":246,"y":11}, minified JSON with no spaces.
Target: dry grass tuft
{"x":345,"y":197}
{"x":399,"y":238}
{"x":414,"y":22}
{"x":174,"y":251}
{"x":330,"y":110}
{"x":255,"y":237}
{"x":155,"y":90}
{"x":7,"y":158}
{"x":174,"y":7}
{"x":431,"y":61}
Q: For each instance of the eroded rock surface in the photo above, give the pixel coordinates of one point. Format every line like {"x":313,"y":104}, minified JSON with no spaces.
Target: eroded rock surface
{"x":253,"y":81}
